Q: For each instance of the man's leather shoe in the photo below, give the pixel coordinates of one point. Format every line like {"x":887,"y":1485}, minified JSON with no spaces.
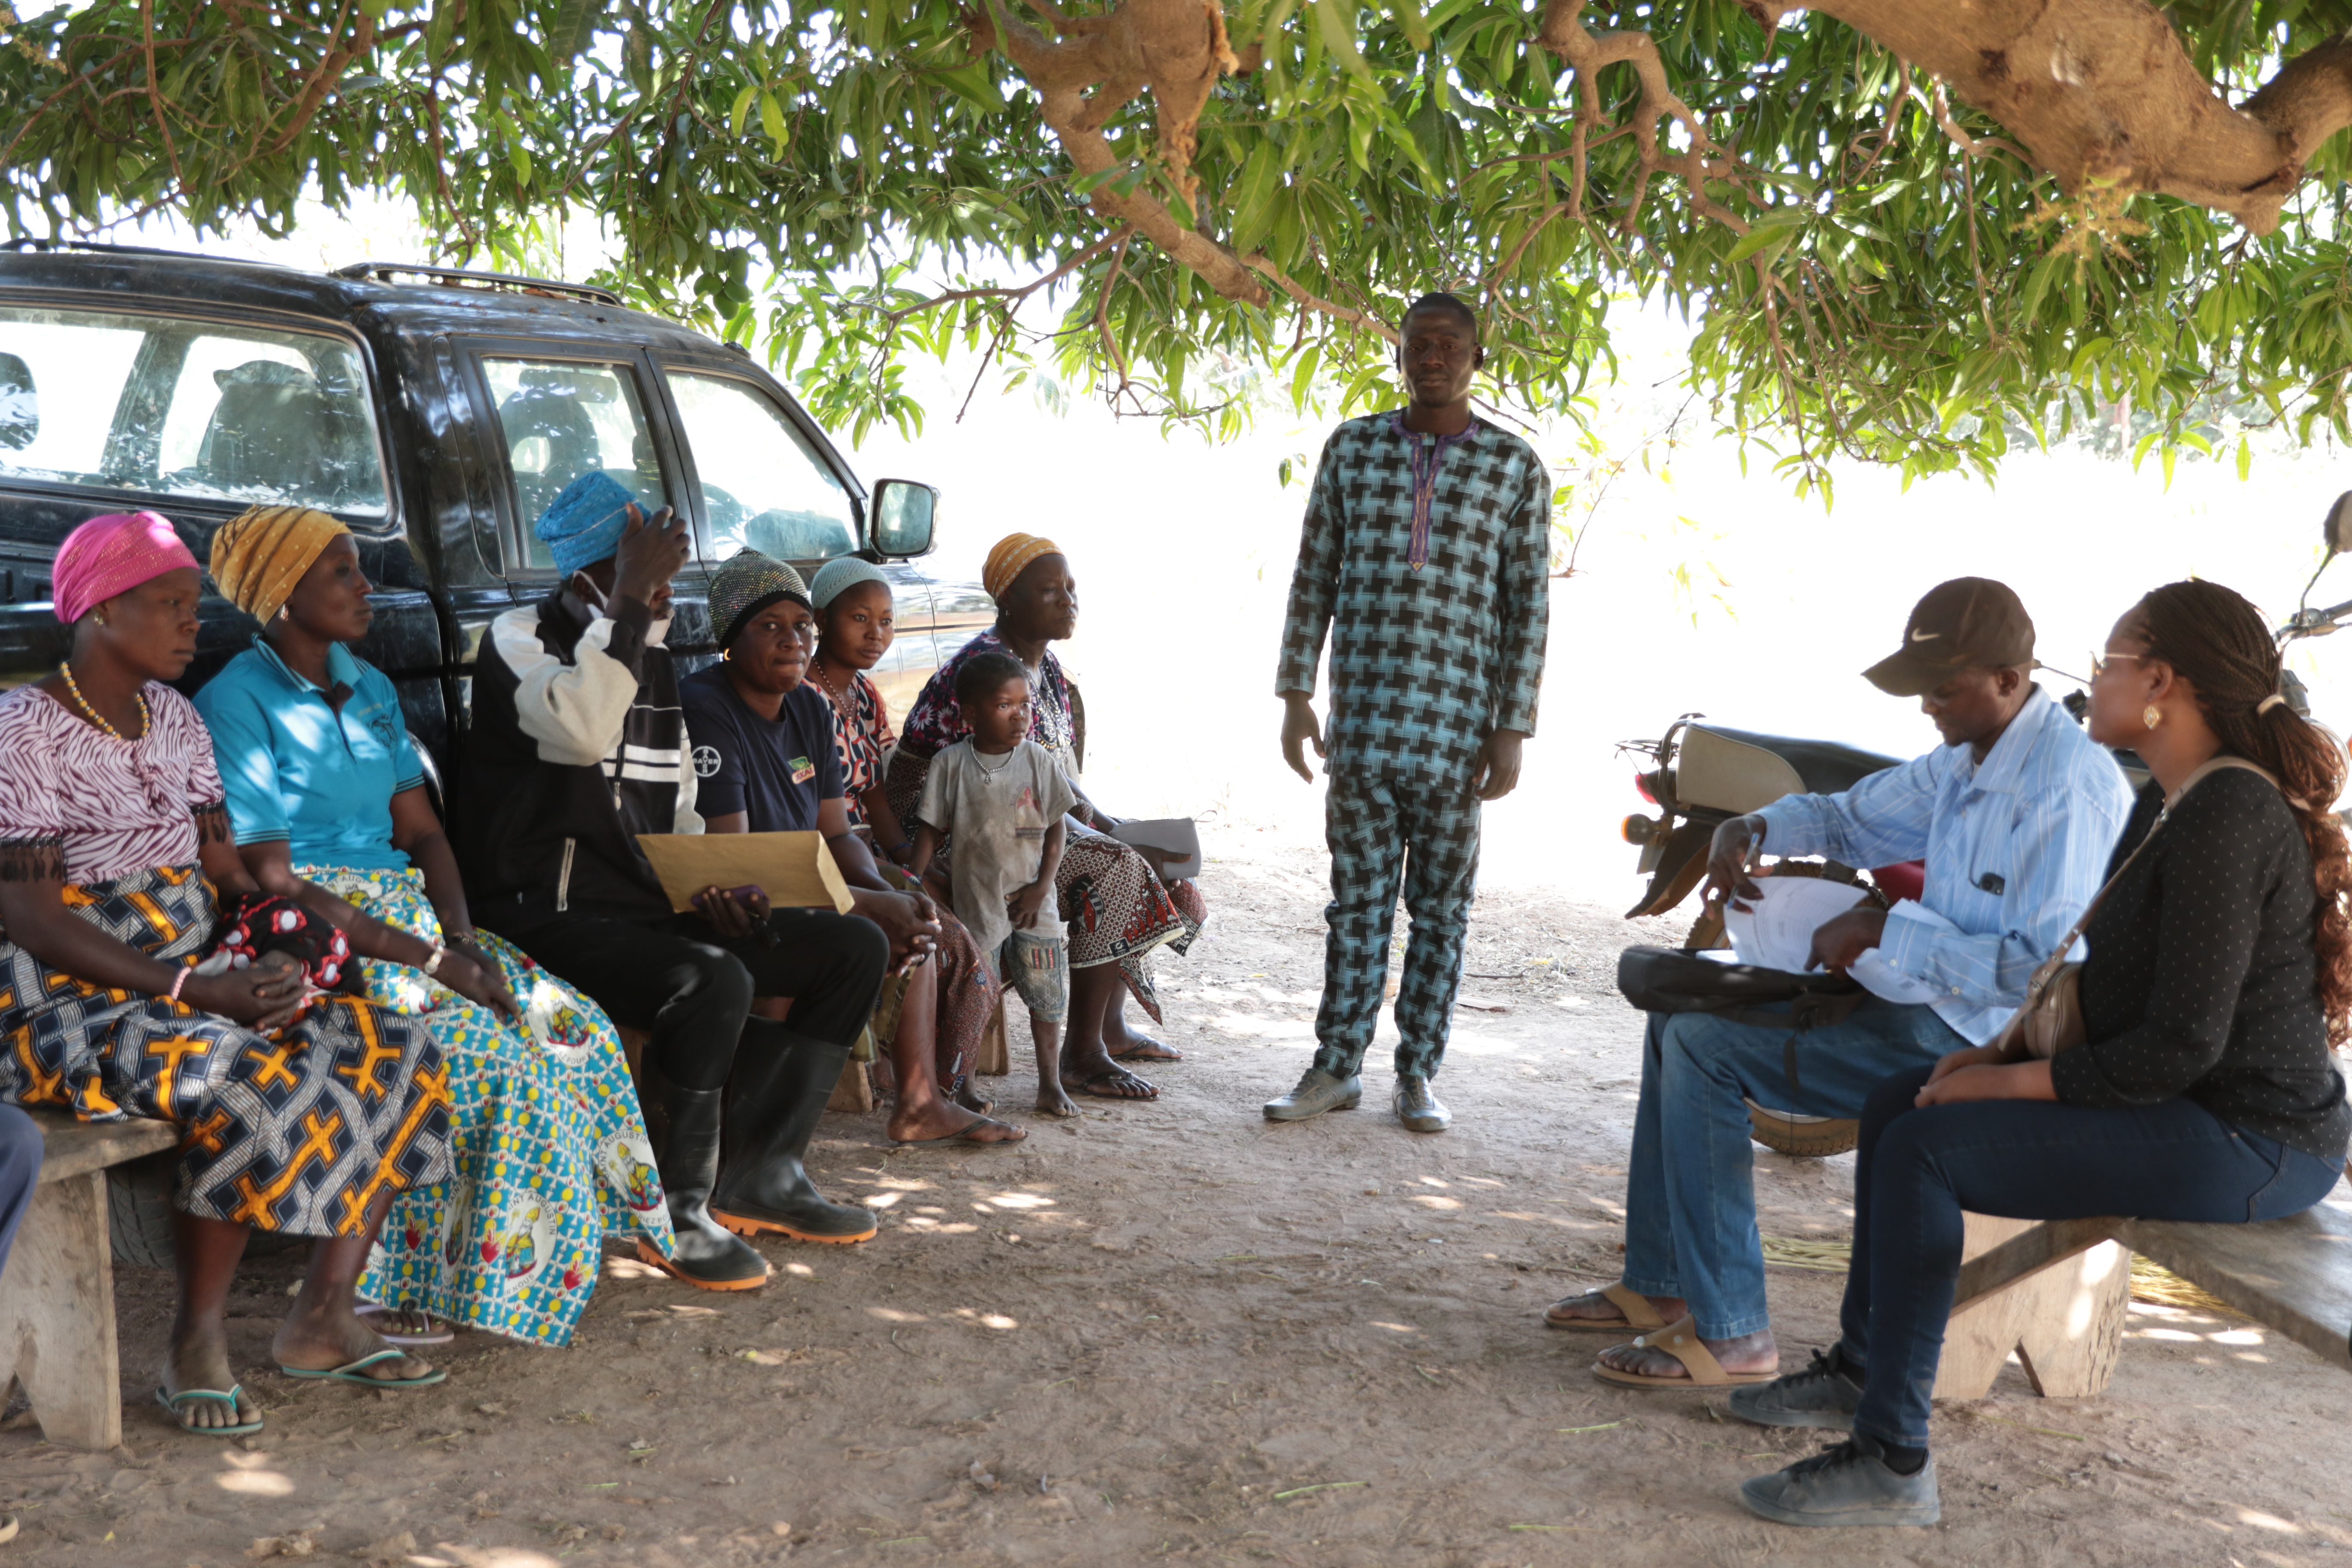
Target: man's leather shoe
{"x":1417,"y":1108}
{"x":1318,"y":1092}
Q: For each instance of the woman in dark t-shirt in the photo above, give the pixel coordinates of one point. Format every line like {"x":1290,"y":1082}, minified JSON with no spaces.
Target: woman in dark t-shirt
{"x":764,"y":761}
{"x":2218,"y":983}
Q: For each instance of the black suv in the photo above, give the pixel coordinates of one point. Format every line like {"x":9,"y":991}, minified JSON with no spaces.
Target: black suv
{"x":437,"y":412}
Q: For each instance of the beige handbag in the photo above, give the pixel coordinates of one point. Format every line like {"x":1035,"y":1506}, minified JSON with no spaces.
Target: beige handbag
{"x":2051,"y":1020}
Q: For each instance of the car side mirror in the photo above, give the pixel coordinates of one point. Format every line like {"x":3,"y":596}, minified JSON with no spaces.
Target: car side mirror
{"x":905,"y":517}
{"x":2339,"y":525}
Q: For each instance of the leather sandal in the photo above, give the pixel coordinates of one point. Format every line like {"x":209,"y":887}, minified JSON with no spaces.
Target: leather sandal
{"x":1681,"y":1341}
{"x":1636,"y":1315}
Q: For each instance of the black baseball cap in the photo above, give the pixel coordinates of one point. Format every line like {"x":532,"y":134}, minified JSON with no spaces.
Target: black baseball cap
{"x":1966,"y":623}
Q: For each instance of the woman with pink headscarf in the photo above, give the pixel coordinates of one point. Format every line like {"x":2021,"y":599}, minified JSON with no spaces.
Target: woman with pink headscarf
{"x":125,"y":991}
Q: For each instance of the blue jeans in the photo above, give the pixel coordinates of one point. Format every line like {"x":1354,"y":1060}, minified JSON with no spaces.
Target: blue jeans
{"x":2023,"y":1159}
{"x":20,"y":1166}
{"x":1690,"y":1196}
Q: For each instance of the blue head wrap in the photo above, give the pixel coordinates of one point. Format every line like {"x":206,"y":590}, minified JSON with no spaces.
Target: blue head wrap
{"x":583,"y":524}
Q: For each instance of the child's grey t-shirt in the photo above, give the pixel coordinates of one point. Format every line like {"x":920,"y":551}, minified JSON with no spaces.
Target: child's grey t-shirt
{"x":995,"y":812}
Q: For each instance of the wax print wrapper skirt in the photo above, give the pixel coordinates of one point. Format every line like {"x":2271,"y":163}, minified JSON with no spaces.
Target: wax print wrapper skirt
{"x":967,"y":991}
{"x":551,"y":1147}
{"x":1113,"y":904}
{"x":296,"y":1131}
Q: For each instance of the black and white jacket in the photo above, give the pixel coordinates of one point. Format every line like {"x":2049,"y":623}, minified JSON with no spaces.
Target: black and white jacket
{"x":578,"y":744}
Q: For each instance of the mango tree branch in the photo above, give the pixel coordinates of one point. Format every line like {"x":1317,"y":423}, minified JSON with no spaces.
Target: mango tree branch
{"x":1176,"y":49}
{"x":1563,"y":32}
{"x":2103,"y":91}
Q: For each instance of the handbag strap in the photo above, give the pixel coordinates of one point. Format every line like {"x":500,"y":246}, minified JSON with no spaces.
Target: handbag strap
{"x":2214,"y":765}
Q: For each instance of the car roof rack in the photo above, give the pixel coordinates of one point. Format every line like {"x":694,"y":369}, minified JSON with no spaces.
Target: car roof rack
{"x":29,"y":242}
{"x":384,"y":271}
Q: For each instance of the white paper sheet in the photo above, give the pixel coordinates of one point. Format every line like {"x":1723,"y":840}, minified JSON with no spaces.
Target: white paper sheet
{"x":1776,"y":930}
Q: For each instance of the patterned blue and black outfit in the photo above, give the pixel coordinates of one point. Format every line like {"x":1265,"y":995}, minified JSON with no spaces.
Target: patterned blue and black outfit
{"x":1427,"y":559}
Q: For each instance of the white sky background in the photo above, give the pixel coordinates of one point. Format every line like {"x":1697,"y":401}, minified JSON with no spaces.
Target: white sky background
{"x":1183,"y":552}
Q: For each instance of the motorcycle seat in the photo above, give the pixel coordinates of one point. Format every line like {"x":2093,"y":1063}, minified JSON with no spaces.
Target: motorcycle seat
{"x":1721,"y":768}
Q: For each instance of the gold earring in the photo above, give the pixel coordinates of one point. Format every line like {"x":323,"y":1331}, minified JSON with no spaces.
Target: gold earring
{"x":2151,"y":716}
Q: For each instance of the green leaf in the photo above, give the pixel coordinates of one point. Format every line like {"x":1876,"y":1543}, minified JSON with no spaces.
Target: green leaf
{"x":1409,"y":19}
{"x":771,"y":121}
{"x":1339,"y":36}
{"x":744,"y":102}
{"x":575,"y":25}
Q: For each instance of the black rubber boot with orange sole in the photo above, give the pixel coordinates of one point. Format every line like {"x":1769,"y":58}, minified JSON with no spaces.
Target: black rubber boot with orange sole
{"x":781,"y":1084}
{"x":684,"y":1125}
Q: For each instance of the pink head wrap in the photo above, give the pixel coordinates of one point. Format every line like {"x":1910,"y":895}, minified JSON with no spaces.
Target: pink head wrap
{"x":109,"y":555}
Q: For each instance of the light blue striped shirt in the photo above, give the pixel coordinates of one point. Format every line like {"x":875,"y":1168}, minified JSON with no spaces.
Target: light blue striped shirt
{"x":2037,"y":820}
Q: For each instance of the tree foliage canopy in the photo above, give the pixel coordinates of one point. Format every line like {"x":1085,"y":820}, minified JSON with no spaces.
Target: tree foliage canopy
{"x":1911,"y":232}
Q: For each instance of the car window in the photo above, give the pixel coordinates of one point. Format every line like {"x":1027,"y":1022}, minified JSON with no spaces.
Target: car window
{"x":176,"y":407}
{"x":764,"y":487}
{"x":559,"y":419}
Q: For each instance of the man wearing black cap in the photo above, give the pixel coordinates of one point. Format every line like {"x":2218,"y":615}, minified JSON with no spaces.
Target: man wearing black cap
{"x":2015,"y":814}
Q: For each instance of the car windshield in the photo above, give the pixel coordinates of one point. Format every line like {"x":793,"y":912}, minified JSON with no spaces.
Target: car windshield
{"x":176,"y":407}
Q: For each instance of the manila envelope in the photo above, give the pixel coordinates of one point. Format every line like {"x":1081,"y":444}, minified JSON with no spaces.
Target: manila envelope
{"x":796,"y":870}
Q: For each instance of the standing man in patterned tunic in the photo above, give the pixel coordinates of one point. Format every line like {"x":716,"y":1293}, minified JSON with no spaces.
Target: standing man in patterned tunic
{"x":1427,"y":554}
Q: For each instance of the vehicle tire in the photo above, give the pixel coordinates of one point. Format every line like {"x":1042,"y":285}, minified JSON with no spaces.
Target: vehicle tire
{"x":1810,"y":1137}
{"x":139,"y":1214}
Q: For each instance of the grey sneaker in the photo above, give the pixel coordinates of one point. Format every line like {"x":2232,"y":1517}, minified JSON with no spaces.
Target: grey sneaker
{"x":1849,"y":1484}
{"x":1419,"y":1110}
{"x":1821,"y":1396}
{"x":1318,"y":1092}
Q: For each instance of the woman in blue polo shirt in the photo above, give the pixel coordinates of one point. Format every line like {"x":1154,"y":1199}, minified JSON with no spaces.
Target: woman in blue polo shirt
{"x":326,"y":801}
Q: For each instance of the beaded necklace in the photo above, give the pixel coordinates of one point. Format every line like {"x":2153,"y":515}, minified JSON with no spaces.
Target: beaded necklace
{"x":146,"y":720}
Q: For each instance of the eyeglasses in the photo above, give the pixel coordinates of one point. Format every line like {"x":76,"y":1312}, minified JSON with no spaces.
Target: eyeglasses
{"x":2099,"y":661}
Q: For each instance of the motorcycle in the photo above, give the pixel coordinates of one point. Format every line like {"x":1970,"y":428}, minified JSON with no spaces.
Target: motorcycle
{"x":2335,"y":534}
{"x":1702,"y":776}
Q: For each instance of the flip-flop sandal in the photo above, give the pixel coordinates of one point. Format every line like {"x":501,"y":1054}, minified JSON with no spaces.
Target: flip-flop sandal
{"x":1637,"y":1315}
{"x":1681,"y":1341}
{"x":356,"y":1371}
{"x":964,"y":1135}
{"x":1087,"y":1087}
{"x":375,"y":1316}
{"x":1154,"y":1052}
{"x":172,"y":1402}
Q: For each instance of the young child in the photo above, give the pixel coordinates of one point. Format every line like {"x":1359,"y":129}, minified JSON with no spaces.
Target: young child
{"x":998,"y":799}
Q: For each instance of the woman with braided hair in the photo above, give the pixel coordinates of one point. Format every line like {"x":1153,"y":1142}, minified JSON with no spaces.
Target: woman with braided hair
{"x":2218,"y":981}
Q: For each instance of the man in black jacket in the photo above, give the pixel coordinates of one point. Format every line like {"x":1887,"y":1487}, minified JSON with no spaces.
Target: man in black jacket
{"x":578,"y":744}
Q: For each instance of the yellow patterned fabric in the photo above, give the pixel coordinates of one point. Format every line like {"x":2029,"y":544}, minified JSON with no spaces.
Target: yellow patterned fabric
{"x":1010,"y":558}
{"x":259,"y":554}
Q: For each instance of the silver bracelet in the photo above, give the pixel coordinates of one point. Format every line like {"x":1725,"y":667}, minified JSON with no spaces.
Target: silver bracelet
{"x":432,"y":965}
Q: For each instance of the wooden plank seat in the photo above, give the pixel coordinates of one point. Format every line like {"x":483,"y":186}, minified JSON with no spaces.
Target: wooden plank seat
{"x":2055,"y":1293}
{"x":57,"y":1296}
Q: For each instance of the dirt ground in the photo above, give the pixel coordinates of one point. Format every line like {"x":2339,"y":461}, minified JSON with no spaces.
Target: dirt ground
{"x":1178,"y":1332}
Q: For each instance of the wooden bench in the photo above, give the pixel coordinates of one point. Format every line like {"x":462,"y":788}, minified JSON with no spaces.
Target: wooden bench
{"x":2056,"y":1292}
{"x":57,"y":1298}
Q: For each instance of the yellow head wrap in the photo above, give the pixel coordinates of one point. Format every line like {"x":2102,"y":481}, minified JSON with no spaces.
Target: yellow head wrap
{"x":1011,"y":556}
{"x":260,"y":554}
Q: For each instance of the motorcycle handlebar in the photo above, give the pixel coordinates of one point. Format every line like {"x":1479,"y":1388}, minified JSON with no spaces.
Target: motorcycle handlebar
{"x":2316,"y":623}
